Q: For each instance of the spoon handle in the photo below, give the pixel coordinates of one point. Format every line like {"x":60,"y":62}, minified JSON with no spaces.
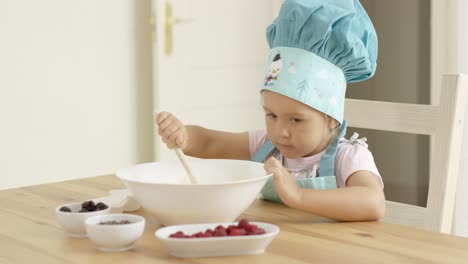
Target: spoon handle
{"x":182,"y":159}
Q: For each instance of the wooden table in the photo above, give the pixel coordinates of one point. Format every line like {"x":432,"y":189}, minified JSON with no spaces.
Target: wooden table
{"x":29,"y":233}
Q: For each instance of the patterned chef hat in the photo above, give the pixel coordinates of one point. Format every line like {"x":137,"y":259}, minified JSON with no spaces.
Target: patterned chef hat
{"x":317,"y":47}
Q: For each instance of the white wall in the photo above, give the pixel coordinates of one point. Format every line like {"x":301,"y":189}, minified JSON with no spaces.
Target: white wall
{"x":461,"y":208}
{"x":75,"y":82}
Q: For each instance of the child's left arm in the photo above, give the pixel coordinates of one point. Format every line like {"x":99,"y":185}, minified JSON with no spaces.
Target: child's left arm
{"x":362,"y":198}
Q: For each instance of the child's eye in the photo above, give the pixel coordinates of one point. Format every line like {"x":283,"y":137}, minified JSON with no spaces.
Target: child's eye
{"x":295,"y":120}
{"x":271,"y":115}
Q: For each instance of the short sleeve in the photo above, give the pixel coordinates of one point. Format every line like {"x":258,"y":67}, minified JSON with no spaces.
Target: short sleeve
{"x":351,"y":158}
{"x":256,"y":139}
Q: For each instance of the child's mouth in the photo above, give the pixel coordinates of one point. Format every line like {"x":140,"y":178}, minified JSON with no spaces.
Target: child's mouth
{"x":283,"y":146}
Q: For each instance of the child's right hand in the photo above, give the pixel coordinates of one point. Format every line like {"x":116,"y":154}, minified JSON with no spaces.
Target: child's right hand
{"x":286,"y":187}
{"x":171,"y":130}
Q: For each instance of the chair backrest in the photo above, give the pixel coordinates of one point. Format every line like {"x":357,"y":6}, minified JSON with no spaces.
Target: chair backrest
{"x":444,"y":123}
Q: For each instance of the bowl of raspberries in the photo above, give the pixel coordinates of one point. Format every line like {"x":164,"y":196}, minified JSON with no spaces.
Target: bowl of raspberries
{"x":72,"y":216}
{"x":217,"y":239}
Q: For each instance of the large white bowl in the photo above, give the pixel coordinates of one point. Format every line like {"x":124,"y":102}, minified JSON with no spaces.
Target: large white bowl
{"x":226,"y":189}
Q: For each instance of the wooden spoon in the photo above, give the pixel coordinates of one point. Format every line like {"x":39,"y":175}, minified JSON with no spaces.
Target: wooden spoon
{"x":180,"y":154}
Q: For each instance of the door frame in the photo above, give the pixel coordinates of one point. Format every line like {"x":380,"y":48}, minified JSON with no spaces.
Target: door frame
{"x":444,"y":43}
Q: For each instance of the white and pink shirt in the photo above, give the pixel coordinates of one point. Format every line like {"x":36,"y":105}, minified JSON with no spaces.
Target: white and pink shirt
{"x":352,"y":156}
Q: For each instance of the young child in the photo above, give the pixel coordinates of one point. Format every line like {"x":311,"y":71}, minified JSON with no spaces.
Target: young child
{"x":317,"y":47}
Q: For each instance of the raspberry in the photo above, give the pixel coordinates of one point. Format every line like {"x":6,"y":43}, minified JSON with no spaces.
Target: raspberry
{"x":258,"y":231}
{"x":243,"y":223}
{"x":199,"y":234}
{"x":250,"y":228}
{"x":220,"y":232}
{"x":241,"y":229}
{"x":209,"y":233}
{"x":235,"y":232}
{"x":178,"y":234}
{"x":230,"y":228}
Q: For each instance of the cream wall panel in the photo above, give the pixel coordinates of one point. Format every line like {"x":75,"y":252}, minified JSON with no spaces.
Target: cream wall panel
{"x":73,"y":82}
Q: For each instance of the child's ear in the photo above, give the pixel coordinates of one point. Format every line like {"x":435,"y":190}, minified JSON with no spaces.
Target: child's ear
{"x":332,"y":123}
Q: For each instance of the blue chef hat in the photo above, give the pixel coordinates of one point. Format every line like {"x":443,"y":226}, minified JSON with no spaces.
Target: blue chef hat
{"x":317,"y":47}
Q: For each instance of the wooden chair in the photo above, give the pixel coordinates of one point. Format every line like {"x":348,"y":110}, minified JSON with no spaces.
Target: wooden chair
{"x":444,"y":122}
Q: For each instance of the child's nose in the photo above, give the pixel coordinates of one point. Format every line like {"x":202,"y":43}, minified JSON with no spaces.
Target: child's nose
{"x":284,"y":130}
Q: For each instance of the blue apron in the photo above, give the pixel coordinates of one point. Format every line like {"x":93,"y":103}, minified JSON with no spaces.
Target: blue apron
{"x":325,"y":180}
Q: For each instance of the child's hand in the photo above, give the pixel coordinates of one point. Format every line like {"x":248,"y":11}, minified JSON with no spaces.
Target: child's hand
{"x":286,"y":186}
{"x":171,"y":130}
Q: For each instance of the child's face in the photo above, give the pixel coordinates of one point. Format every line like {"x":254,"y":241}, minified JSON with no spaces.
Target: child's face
{"x":295,"y":129}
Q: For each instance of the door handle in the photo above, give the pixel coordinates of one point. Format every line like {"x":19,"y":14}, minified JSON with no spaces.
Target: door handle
{"x":169,"y":22}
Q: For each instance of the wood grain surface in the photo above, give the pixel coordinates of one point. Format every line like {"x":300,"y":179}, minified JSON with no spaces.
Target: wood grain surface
{"x":29,"y":233}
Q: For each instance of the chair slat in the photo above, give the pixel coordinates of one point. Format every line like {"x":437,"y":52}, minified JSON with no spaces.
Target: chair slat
{"x":387,"y":116}
{"x":400,"y":213}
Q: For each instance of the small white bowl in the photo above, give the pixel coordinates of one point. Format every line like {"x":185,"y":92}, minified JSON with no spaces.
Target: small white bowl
{"x":117,"y":237}
{"x":73,"y":222}
{"x":215,"y":246}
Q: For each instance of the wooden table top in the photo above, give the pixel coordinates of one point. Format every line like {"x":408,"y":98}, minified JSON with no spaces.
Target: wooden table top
{"x":29,"y":233}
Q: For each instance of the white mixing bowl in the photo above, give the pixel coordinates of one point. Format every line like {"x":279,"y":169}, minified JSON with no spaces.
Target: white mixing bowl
{"x":226,"y":189}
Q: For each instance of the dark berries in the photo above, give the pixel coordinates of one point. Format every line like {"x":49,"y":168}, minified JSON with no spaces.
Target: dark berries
{"x":113,"y":222}
{"x":65,"y":209}
{"x":90,"y":206}
{"x":87,"y":206}
{"x":243,"y":228}
{"x":101,"y":206}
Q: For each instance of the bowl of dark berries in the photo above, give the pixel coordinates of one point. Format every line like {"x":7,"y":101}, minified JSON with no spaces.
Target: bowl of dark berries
{"x":217,"y":239}
{"x":115,"y":232}
{"x":225,"y":189}
{"x":72,"y":216}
